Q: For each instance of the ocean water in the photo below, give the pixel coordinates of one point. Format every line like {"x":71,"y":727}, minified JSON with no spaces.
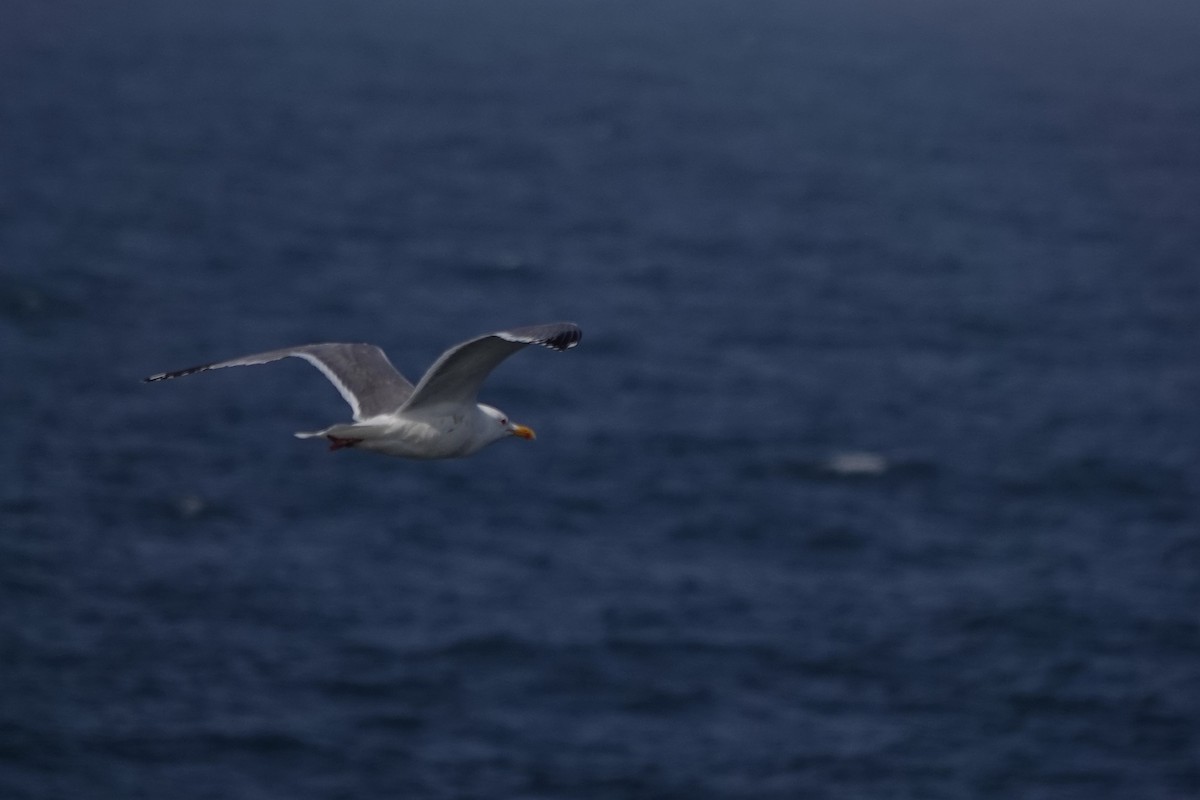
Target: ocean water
{"x":874,"y":476}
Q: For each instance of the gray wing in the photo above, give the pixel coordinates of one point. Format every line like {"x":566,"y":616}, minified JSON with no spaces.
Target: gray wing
{"x":360,"y":372}
{"x":455,"y":378}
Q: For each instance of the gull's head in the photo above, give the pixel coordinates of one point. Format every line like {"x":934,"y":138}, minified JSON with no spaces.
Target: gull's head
{"x":502,"y":426}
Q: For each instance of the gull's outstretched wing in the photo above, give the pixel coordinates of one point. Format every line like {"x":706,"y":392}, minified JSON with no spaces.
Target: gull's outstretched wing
{"x":360,"y":372}
{"x":456,"y":376}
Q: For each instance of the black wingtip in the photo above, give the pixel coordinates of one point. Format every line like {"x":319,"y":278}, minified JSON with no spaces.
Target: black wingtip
{"x":179,"y":373}
{"x":555,"y":335}
{"x":565,"y":339}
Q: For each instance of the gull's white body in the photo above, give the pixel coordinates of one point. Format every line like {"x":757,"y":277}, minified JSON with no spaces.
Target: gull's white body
{"x":446,"y":433}
{"x":438,"y":417}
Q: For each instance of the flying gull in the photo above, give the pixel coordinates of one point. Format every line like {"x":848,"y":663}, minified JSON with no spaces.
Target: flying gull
{"x":437,"y":418}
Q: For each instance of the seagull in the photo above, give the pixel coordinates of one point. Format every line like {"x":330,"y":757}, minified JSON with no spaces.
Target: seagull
{"x":437,"y":418}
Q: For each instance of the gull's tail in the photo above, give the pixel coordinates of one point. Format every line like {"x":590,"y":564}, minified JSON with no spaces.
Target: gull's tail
{"x":346,"y":430}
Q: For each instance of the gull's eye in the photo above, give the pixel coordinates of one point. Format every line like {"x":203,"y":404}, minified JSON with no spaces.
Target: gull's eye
{"x":504,"y":420}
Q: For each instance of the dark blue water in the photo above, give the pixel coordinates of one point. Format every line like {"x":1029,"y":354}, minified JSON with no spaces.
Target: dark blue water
{"x":875,"y":475}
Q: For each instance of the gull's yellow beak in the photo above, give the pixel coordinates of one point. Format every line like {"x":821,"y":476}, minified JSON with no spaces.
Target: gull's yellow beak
{"x":523,"y":432}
